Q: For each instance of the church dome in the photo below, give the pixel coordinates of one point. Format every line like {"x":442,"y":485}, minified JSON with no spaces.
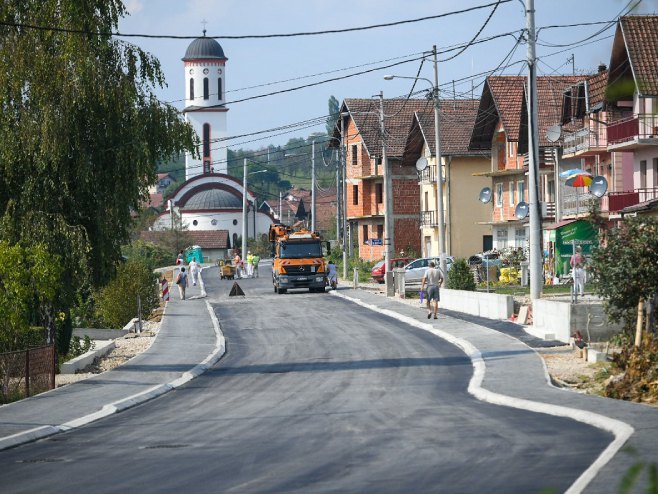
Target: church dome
{"x":202,"y":48}
{"x":213,"y":199}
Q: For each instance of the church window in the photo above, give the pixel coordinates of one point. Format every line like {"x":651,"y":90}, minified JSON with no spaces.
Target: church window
{"x":219,"y":88}
{"x":206,"y":140}
{"x":191,"y":88}
{"x":206,"y":89}
{"x":195,"y":222}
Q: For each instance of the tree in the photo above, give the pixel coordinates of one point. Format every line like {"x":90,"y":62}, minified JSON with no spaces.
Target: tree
{"x":624,"y":269}
{"x":80,"y":133}
{"x":460,"y":276}
{"x":334,"y":110}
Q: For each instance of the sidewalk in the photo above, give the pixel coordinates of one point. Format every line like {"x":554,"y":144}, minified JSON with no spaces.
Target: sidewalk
{"x":189,"y":342}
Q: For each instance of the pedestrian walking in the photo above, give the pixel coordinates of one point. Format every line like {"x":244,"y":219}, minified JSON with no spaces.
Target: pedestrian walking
{"x":180,"y":258}
{"x":182,"y":283}
{"x":332,"y":274}
{"x":238,"y":264}
{"x":433,"y":278}
{"x":577,"y":263}
{"x":250,"y":264}
{"x":194,"y":270}
{"x":255,"y":261}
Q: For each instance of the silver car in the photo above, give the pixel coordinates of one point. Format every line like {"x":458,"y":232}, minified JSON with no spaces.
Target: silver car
{"x":414,"y":271}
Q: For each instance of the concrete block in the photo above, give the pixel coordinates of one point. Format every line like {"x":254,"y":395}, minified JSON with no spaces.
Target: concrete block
{"x":101,"y":348}
{"x":596,"y":356}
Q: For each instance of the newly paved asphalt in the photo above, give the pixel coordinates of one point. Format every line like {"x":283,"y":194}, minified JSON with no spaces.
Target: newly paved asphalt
{"x":506,"y":371}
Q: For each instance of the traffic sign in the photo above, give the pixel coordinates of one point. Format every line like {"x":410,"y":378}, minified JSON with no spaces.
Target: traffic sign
{"x":376,"y":241}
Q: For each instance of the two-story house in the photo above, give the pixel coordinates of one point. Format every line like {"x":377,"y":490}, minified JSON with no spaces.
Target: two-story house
{"x":467,"y":227}
{"x":364,"y":174}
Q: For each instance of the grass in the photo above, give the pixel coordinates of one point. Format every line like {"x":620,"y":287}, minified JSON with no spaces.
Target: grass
{"x":525,"y":290}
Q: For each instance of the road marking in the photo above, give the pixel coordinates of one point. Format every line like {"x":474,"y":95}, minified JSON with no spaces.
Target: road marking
{"x":621,"y":430}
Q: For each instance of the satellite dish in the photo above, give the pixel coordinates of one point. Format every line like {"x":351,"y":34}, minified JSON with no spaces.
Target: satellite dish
{"x":521,"y":210}
{"x":485,"y":195}
{"x":421,"y":164}
{"x":553,"y":133}
{"x":599,"y":186}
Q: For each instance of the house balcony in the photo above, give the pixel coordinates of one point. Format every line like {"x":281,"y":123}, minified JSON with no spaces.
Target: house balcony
{"x":428,"y":219}
{"x":585,"y":142}
{"x":633,"y":132}
{"x":620,"y":200}
{"x":547,"y":210}
{"x":576,"y":204}
{"x":428,"y":175}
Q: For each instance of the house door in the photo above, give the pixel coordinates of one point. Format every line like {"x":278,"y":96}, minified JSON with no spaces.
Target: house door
{"x":428,"y":247}
{"x":487,"y":242}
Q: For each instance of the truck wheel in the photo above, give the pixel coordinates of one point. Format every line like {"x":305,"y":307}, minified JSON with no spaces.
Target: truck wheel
{"x":282,"y":291}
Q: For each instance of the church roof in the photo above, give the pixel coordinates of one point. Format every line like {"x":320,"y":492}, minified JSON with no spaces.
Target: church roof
{"x":213,"y":199}
{"x":203,"y":48}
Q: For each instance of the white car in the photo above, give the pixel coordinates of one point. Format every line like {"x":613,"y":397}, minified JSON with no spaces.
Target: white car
{"x":414,"y":271}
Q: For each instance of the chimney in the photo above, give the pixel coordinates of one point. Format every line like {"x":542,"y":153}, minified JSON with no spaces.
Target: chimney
{"x":602,"y":67}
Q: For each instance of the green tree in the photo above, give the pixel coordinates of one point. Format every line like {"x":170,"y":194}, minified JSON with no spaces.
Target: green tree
{"x":117,"y":302}
{"x":80,"y":133}
{"x":623,"y":270}
{"x":460,"y":276}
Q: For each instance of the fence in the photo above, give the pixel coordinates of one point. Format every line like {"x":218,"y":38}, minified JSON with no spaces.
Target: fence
{"x":26,"y":372}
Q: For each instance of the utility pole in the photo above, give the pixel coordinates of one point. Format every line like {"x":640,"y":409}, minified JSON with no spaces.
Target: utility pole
{"x":313,"y":186}
{"x":388,"y":204}
{"x":244,"y":210}
{"x":280,"y":207}
{"x":439,"y":170}
{"x":536,"y":265}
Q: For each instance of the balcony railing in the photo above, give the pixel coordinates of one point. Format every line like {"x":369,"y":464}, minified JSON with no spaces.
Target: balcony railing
{"x":584,"y":140}
{"x":427,"y":218}
{"x":641,"y":126}
{"x":547,"y":209}
{"x":620,"y":200}
{"x":428,"y":175}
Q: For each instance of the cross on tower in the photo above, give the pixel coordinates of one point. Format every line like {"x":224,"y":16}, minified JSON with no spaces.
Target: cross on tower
{"x":204,"y":22}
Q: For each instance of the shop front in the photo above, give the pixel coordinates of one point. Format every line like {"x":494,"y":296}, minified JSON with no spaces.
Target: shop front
{"x":562,"y":238}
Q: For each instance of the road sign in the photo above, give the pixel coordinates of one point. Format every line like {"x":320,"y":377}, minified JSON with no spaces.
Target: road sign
{"x":376,"y":241}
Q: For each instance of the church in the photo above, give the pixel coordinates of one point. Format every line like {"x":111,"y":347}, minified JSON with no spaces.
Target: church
{"x":210,"y":200}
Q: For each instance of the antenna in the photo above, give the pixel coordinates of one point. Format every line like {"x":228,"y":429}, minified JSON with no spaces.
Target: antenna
{"x":599,"y":186}
{"x":521,"y":210}
{"x":553,"y":133}
{"x":485,"y":195}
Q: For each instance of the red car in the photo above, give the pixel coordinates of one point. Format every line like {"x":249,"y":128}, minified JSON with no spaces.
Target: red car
{"x":377,"y":271}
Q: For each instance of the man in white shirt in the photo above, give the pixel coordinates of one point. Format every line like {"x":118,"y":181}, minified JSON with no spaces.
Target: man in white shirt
{"x":193,"y":268}
{"x":433,"y":278}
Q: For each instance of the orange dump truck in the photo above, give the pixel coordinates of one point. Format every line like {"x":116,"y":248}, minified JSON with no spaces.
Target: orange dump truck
{"x":297,"y":259}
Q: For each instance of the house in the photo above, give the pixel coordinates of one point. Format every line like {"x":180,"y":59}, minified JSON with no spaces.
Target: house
{"x":502,"y":127}
{"x":632,"y":96}
{"x":467,"y":224}
{"x":325,"y":209}
{"x":215,"y":244}
{"x":364,"y":174}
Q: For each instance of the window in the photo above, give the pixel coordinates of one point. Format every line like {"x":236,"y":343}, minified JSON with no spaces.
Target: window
{"x":510,"y":149}
{"x":219,"y":88}
{"x":355,"y":194}
{"x":206,"y":89}
{"x":380,"y":231}
{"x":355,"y":155}
{"x":501,"y":234}
{"x":510,"y":186}
{"x":379,"y":193}
{"x":655,"y":172}
{"x":427,"y":202}
{"x":520,"y":190}
{"x":192,"y":88}
{"x":365,"y":233}
{"x":643,"y":174}
{"x":499,"y":195}
{"x":195,"y":222}
{"x":206,"y":140}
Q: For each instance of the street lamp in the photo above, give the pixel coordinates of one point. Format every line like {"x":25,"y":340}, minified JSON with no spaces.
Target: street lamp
{"x":244,"y":206}
{"x":439,"y":172}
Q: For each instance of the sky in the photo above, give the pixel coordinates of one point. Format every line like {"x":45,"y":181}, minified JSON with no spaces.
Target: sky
{"x":256,"y":67}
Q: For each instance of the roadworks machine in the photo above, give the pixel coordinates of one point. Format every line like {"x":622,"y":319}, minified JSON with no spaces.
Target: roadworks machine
{"x":297,"y":259}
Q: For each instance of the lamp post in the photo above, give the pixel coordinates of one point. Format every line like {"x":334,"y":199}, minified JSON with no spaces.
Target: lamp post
{"x":439,"y":172}
{"x":244,"y":207}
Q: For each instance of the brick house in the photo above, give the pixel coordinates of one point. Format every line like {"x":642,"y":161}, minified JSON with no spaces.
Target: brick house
{"x":364,"y":174}
{"x":467,"y":226}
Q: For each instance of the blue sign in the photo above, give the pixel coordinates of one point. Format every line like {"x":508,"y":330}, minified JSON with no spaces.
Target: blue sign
{"x":376,"y":241}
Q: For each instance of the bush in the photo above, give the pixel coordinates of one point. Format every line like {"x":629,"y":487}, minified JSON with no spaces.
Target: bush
{"x":154,"y":256}
{"x":116,"y":304}
{"x":460,"y":276}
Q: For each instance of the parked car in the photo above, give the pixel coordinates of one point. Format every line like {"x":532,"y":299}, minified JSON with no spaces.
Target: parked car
{"x":414,"y":271}
{"x":377,"y":271}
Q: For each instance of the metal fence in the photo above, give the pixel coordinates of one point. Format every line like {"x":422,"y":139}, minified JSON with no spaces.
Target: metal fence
{"x":26,"y":372}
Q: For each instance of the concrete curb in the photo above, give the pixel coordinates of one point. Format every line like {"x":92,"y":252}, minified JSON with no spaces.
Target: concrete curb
{"x":621,"y":430}
{"x":102,"y":347}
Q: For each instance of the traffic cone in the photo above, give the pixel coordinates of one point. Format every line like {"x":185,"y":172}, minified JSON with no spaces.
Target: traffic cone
{"x":236,"y":290}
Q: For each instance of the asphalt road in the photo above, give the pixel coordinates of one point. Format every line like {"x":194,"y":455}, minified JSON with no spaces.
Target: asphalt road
{"x":314,"y":394}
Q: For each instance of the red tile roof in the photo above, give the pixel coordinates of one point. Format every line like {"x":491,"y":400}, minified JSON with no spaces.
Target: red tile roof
{"x":456,"y":120}
{"x":398,"y":115}
{"x":640,"y":35}
{"x":206,"y":239}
